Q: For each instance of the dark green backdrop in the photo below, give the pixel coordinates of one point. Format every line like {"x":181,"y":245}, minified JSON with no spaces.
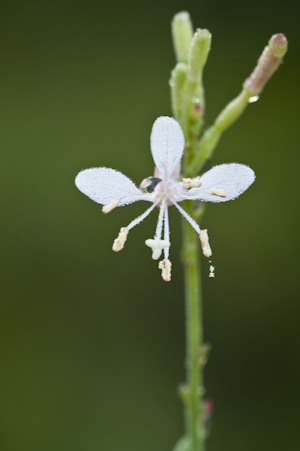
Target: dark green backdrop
{"x":92,"y":342}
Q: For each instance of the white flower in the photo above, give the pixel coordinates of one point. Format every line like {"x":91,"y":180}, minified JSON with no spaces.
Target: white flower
{"x":113,"y":189}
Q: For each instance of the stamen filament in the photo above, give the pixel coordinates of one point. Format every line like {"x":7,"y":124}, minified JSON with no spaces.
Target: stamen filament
{"x":140,"y":218}
{"x":188,"y":217}
{"x":166,"y":232}
{"x":158,"y":232}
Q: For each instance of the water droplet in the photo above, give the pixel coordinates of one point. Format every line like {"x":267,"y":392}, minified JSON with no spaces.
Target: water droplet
{"x":253,"y":99}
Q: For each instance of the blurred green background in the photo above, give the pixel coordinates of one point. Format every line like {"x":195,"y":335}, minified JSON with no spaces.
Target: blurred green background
{"x":92,"y":342}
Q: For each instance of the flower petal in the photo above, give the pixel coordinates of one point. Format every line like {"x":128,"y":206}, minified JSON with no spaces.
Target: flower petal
{"x":104,"y":184}
{"x":227,"y":181}
{"x":167,"y":144}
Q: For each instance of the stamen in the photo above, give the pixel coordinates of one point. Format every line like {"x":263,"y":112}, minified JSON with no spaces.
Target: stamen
{"x":157,"y":246}
{"x":165,"y":266}
{"x":120,"y":240}
{"x":191,"y":183}
{"x":109,"y":207}
{"x":140,"y":218}
{"x":206,"y":249}
{"x":159,"y":226}
{"x":188,"y":218}
{"x":217,"y":192}
{"x":166,"y":232}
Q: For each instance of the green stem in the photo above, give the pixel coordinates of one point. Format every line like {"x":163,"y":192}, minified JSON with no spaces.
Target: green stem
{"x":194,"y":333}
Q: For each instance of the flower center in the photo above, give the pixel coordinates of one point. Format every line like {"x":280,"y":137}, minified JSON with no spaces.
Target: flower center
{"x":165,"y":190}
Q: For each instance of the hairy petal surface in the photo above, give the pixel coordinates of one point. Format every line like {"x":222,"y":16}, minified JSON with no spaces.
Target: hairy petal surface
{"x":104,"y":184}
{"x":167,"y":144}
{"x":232,"y":178}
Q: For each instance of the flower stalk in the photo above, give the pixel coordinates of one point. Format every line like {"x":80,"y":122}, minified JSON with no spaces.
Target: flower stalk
{"x":194,"y":336}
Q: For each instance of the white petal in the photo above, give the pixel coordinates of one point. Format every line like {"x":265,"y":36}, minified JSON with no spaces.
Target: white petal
{"x":104,"y":184}
{"x":167,"y":144}
{"x":232,"y":178}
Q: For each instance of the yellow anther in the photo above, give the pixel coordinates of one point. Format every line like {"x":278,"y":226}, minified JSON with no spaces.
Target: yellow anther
{"x":109,"y":207}
{"x":206,"y":249}
{"x":191,"y":183}
{"x":165,"y":266}
{"x":120,"y":240}
{"x":217,"y":192}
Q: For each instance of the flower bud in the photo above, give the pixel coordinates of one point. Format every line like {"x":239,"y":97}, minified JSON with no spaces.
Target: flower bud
{"x":267,"y":64}
{"x":200,"y":47}
{"x":278,"y":45}
{"x":177,"y":83}
{"x":182,"y":32}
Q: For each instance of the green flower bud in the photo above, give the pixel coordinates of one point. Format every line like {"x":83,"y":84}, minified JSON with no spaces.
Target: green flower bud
{"x":267,"y":64}
{"x":200,"y":47}
{"x":177,"y":83}
{"x":278,"y":45}
{"x":182,"y":33}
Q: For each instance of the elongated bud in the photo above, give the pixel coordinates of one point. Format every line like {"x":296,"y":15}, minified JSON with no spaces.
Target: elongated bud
{"x":182,"y":33}
{"x":177,"y":83}
{"x":200,"y":47}
{"x":278,"y":44}
{"x":267,"y":64}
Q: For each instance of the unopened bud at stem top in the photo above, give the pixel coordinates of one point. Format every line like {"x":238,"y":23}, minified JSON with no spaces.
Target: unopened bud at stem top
{"x":267,"y":64}
{"x":200,"y":47}
{"x":182,"y":32}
